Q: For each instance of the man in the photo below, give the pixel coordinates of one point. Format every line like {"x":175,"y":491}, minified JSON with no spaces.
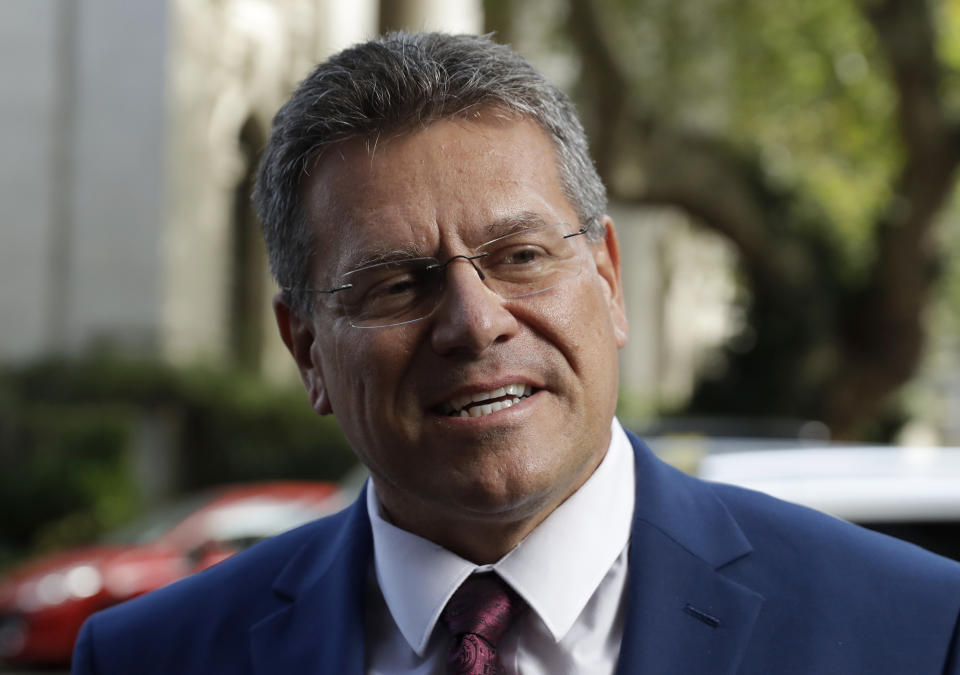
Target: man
{"x":451,"y":292}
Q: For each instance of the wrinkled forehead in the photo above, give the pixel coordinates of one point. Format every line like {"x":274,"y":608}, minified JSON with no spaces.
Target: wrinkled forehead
{"x":454,"y":183}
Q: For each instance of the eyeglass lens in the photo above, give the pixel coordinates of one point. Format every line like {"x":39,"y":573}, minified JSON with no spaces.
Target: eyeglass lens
{"x":513,"y":266}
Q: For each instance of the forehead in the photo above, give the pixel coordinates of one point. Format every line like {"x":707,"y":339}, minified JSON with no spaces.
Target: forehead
{"x":452,"y":183}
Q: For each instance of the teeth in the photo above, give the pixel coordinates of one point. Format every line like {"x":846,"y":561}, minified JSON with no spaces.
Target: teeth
{"x":458,"y":405}
{"x":487,"y":408}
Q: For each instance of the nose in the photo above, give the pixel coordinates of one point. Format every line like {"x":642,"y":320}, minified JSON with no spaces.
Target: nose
{"x":470,"y":316}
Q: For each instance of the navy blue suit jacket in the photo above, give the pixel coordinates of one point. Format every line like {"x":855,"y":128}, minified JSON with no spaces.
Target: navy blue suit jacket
{"x":722,"y":580}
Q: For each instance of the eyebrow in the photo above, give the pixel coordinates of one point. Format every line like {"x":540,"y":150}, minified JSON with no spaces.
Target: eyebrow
{"x":515,"y":222}
{"x":387,"y":255}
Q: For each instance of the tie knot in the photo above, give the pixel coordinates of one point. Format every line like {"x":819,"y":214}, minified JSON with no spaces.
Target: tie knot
{"x":483,"y":605}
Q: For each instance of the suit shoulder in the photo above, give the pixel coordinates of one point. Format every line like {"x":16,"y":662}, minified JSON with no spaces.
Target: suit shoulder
{"x":805,"y":545}
{"x":213,"y":607}
{"x":856,"y":596}
{"x":240,"y":576}
{"x":777,"y":519}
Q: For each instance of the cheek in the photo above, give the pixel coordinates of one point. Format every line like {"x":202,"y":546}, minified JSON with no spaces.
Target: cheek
{"x":342,"y":372}
{"x":364,"y":363}
{"x":586,"y":338}
{"x":579,"y":325}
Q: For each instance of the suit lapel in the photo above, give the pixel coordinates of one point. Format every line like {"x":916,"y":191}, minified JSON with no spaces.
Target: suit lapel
{"x":683,"y":615}
{"x":320,"y":625}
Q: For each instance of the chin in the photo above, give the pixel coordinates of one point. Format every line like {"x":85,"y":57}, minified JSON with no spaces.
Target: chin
{"x":505,"y":500}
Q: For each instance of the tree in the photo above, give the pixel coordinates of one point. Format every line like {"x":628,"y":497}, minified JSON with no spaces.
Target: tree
{"x":819,"y":137}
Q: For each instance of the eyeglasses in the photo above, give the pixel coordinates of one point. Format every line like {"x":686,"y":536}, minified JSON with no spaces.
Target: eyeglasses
{"x":515,"y":265}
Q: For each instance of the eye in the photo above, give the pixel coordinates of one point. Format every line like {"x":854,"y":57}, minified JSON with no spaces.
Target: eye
{"x":521,"y":255}
{"x":393,"y":286}
{"x":520,"y":259}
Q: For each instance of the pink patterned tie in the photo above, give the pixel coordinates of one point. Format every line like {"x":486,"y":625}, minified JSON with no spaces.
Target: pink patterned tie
{"x":478,"y":615}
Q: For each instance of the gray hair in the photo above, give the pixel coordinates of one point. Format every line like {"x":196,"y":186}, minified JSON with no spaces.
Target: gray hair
{"x":398,"y":82}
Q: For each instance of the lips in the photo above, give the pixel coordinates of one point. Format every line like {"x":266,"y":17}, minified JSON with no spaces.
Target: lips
{"x":485,"y":402}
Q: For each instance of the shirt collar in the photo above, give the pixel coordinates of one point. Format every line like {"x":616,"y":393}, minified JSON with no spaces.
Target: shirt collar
{"x":572,"y":549}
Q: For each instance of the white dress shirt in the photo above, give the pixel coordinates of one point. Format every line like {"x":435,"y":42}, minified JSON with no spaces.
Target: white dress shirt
{"x":571,"y":570}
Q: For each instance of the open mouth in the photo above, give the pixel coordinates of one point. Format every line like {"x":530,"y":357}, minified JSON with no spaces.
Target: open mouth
{"x":486,"y":402}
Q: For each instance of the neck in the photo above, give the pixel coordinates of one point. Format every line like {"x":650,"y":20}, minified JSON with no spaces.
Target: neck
{"x":479,"y":541}
{"x":482,"y":537}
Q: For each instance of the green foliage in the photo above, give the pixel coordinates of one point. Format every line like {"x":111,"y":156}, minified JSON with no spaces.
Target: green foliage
{"x":812,"y":93}
{"x":798,"y":83}
{"x":68,"y":430}
{"x":237,"y":429}
{"x":947,"y":24}
{"x":65,"y":476}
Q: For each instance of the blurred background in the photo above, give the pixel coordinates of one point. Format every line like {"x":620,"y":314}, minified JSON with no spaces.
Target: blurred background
{"x":783,"y":176}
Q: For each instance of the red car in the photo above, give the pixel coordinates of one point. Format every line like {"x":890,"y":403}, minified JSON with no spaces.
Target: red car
{"x":44,"y":601}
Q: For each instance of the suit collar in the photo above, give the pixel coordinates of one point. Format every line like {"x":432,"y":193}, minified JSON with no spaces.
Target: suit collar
{"x":682,"y":613}
{"x":320,"y":625}
{"x":571,"y":549}
{"x":686,"y":510}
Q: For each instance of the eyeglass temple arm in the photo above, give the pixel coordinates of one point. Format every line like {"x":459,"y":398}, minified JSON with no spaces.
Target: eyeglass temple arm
{"x":582,"y":230}
{"x":292,"y":289}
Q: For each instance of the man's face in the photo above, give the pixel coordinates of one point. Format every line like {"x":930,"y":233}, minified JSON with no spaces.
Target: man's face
{"x":440,"y":192}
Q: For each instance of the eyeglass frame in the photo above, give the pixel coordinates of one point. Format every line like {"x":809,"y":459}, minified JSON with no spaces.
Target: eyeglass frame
{"x":584,"y":229}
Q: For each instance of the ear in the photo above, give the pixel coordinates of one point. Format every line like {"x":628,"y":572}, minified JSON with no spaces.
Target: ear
{"x":299,"y":335}
{"x":607,"y":257}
